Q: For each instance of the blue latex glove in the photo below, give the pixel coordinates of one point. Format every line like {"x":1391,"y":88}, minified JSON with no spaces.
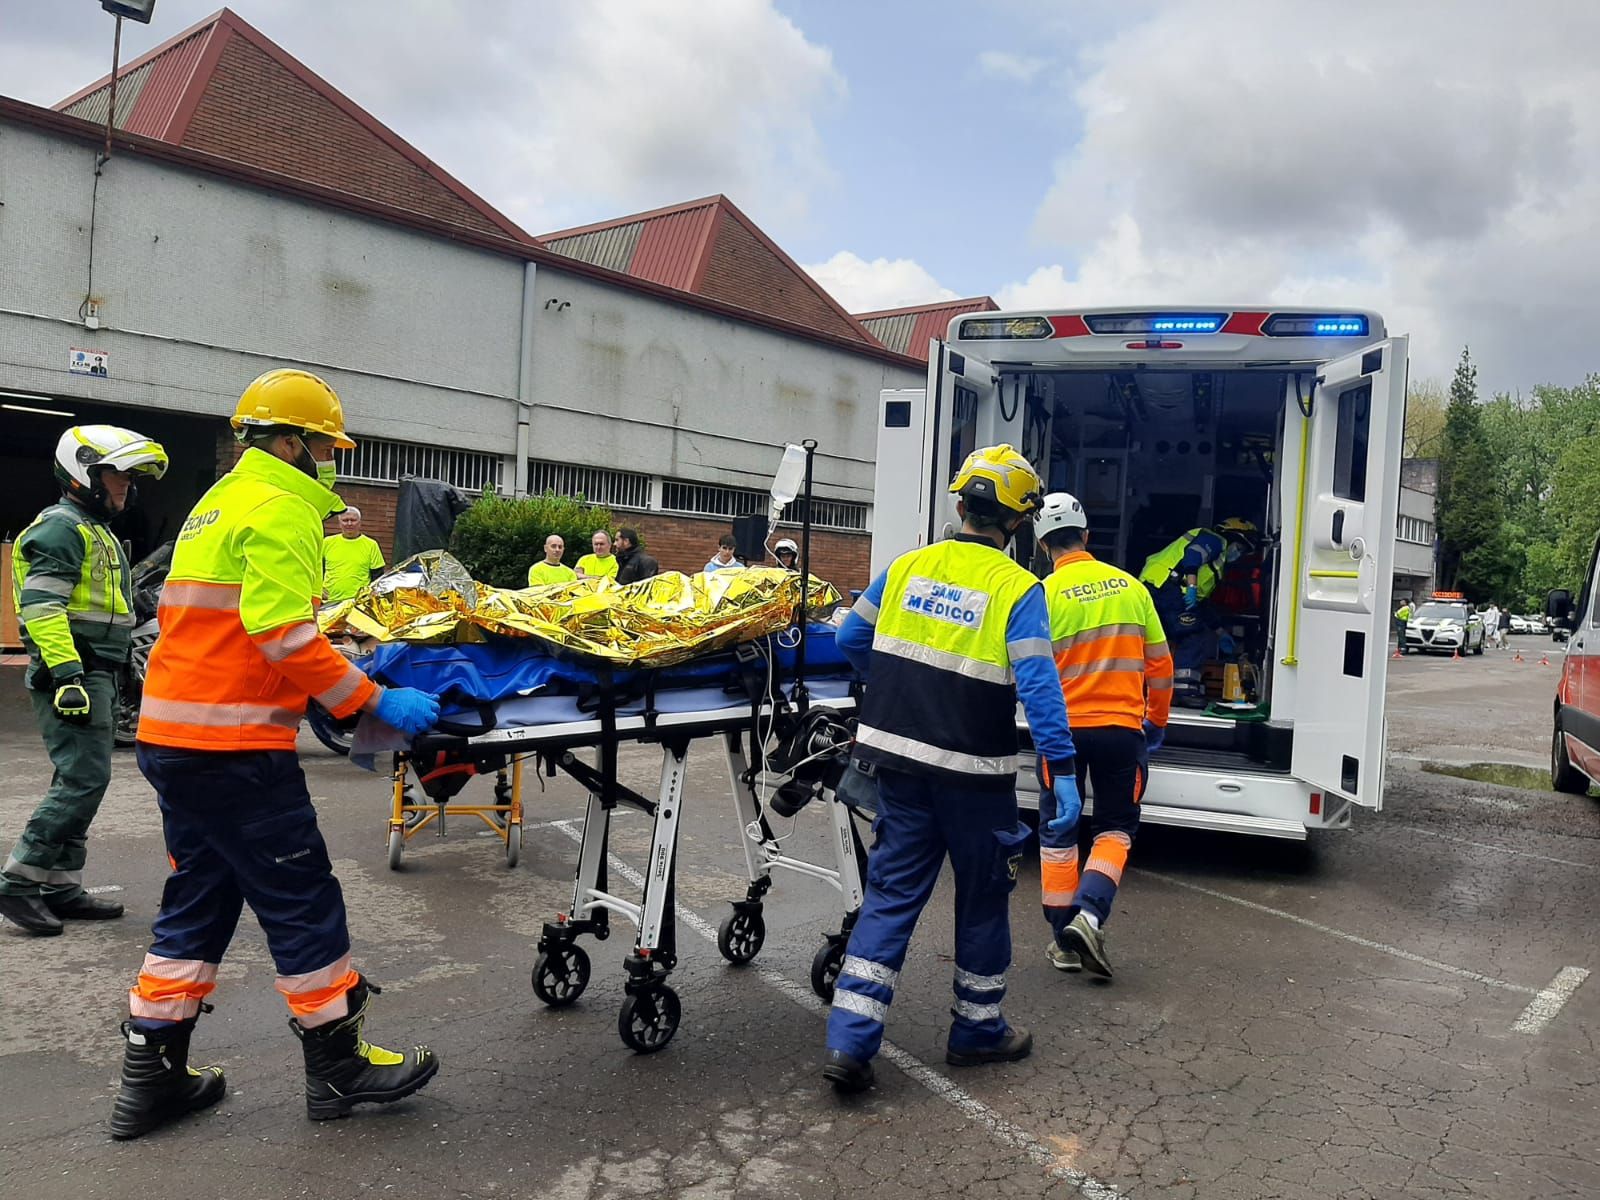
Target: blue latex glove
{"x":1191,"y":596}
{"x":1227,"y":646}
{"x":1069,"y":806}
{"x":408,"y":710}
{"x":1154,"y":736}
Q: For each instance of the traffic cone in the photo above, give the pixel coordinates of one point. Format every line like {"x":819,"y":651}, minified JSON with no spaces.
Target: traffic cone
{"x":1544,"y":660}
{"x":1517,"y":657}
{"x":1397,"y":653}
{"x":1456,"y":657}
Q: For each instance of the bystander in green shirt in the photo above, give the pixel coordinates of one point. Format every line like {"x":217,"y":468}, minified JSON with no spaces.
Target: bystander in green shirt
{"x":549,"y":572}
{"x":347,"y":565}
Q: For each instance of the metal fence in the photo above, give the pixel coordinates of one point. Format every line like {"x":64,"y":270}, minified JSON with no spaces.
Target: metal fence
{"x":375,"y":460}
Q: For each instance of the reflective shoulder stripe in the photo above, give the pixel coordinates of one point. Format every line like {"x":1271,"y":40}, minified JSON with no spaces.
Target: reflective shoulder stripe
{"x":942,"y":660}
{"x":950,"y":760}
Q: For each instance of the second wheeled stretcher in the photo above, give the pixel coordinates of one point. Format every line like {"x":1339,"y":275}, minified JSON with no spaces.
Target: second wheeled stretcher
{"x":781,"y":751}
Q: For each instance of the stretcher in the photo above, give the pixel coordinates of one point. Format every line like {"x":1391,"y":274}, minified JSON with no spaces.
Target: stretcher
{"x":772,"y":744}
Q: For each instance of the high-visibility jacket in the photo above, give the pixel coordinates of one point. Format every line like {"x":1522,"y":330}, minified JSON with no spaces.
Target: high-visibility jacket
{"x":1110,"y":649}
{"x":1205,"y":548}
{"x":240,"y":651}
{"x":1403,"y":613}
{"x":70,"y":584}
{"x":943,"y":672}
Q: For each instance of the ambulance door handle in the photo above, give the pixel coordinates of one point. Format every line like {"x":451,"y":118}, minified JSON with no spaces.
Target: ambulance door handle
{"x":1338,"y":527}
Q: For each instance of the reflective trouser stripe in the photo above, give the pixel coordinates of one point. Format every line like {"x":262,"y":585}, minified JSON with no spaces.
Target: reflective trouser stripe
{"x":967,"y":1010}
{"x":862,"y":1006}
{"x":1058,"y":875}
{"x":318,"y":997}
{"x":863,"y":968}
{"x":171,"y":989}
{"x":24,"y":870}
{"x":980,"y":983}
{"x":1109,"y":855}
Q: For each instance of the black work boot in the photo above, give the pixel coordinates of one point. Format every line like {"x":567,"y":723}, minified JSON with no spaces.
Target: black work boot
{"x":343,"y":1071}
{"x":158,"y":1084}
{"x":30,"y":914}
{"x":847,"y":1073}
{"x":84,"y":907}
{"x":1017,"y":1044}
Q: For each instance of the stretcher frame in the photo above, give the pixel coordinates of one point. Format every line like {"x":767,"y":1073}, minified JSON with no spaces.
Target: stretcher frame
{"x":651,"y":1010}
{"x":407,"y":818}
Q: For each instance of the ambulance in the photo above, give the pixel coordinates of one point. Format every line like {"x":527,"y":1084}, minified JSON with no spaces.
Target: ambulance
{"x":1166,"y":420}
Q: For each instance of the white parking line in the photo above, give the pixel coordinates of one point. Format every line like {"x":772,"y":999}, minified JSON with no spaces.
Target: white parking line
{"x":1565,"y":862}
{"x":1368,"y":943}
{"x":1548,"y":1002}
{"x":1002,"y":1130}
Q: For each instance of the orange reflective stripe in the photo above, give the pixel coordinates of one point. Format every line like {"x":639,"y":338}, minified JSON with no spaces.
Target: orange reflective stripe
{"x":217,"y":716}
{"x":170,"y":989}
{"x":192,"y":593}
{"x":285,"y":642}
{"x":1058,"y":875}
{"x":1121,"y":645}
{"x":1109,"y":855}
{"x":318,"y":997}
{"x":1118,"y":629}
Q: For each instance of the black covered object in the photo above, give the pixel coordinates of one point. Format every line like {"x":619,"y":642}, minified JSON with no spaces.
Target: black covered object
{"x":750,"y":532}
{"x":425,"y":514}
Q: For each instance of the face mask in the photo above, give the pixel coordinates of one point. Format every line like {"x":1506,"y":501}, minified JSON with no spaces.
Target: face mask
{"x":328,"y":473}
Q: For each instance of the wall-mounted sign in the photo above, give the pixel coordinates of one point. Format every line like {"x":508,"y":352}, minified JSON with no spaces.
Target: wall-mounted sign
{"x":87,"y":362}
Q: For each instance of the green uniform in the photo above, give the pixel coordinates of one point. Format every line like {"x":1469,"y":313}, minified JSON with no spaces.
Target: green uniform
{"x":71,"y":590}
{"x":348,"y":564}
{"x":544,"y":572}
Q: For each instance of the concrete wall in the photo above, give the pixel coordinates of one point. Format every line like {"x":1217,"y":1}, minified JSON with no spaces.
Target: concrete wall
{"x":203,"y":283}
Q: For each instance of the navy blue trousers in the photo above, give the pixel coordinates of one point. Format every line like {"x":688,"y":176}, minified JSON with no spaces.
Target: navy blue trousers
{"x":921,"y":821}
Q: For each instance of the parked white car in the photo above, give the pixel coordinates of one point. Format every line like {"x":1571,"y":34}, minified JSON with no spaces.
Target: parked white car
{"x":1444,"y":627}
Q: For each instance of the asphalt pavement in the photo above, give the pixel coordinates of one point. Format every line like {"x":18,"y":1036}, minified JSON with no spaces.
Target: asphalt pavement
{"x":1399,"y":1009}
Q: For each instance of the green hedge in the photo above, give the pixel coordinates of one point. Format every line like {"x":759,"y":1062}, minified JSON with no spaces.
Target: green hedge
{"x":499,"y":539}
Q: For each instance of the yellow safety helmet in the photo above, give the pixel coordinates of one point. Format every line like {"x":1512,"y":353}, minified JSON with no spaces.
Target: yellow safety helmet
{"x":297,"y":399}
{"x":1000,"y":475}
{"x":1237,"y":525}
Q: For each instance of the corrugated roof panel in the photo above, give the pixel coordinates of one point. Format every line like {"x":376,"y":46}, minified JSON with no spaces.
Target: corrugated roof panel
{"x":670,"y":247}
{"x":893,"y":332}
{"x":611,"y":248}
{"x":167,"y":77}
{"x":129,"y":86}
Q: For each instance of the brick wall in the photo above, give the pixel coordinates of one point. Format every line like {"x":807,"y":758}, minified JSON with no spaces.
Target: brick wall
{"x":686,"y":543}
{"x":256,"y":111}
{"x":744,"y":271}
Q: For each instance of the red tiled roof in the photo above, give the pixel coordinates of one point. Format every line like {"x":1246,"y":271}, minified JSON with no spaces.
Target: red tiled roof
{"x":225,"y":88}
{"x":710,"y":248}
{"x":908,"y":330}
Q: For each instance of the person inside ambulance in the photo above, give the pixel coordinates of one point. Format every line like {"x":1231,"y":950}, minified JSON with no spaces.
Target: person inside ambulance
{"x":1182,"y":577}
{"x":238,"y":658}
{"x":70,"y":584}
{"x":948,"y":639}
{"x":1116,"y":677}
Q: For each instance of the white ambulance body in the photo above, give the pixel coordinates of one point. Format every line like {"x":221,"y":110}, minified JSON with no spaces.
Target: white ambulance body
{"x":1165,"y":420}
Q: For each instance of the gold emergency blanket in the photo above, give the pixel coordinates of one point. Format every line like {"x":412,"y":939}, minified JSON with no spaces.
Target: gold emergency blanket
{"x":431,"y":598}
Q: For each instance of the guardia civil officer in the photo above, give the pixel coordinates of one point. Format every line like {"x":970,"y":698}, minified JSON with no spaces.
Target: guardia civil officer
{"x":70,"y":583}
{"x":948,"y":638}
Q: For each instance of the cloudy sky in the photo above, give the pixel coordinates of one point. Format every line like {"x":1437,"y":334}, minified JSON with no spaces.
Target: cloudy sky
{"x":1437,"y":161}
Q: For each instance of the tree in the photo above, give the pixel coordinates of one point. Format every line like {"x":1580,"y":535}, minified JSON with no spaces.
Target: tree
{"x":1471,"y":513}
{"x":499,"y":539}
{"x":1425,"y":404}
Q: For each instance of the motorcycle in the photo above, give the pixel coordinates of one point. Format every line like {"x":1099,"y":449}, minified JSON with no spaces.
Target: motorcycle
{"x":148,"y":576}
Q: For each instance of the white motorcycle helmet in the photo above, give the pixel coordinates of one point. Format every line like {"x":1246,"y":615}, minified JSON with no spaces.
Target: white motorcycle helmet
{"x":785,"y":544}
{"x":85,"y":450}
{"x":1060,"y":511}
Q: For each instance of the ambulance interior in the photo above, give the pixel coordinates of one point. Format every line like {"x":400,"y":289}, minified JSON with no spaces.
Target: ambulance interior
{"x":1152,"y":455}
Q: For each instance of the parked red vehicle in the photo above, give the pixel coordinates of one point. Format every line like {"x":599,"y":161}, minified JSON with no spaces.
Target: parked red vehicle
{"x":1575,"y":740}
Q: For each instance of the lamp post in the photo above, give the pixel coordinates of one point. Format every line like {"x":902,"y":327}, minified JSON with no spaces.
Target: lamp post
{"x":136,"y":10}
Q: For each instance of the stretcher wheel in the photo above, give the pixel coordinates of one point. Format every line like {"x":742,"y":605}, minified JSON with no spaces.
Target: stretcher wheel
{"x":741,"y":936}
{"x":649,"y":1019}
{"x":825,"y":969}
{"x":560,"y":976}
{"x":397,"y":848}
{"x":513,"y":843}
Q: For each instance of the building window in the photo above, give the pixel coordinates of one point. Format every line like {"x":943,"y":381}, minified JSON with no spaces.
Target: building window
{"x":375,"y":460}
{"x":1416,"y":531}
{"x":719,"y":500}
{"x":597,"y":485}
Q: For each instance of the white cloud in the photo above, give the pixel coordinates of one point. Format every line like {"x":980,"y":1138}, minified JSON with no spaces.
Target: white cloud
{"x":1446,"y":173}
{"x":556,"y":114}
{"x":863,"y":286}
{"x":1017,"y":68}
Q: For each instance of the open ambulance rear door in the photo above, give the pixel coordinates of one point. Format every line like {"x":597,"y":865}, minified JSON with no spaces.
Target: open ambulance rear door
{"x":1350,"y":488}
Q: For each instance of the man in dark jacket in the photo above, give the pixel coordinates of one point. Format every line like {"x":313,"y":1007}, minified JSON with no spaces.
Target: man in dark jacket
{"x":633,"y":564}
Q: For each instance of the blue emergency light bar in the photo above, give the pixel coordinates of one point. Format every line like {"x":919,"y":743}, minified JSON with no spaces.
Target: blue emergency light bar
{"x":1155,"y":323}
{"x":1314,"y":325}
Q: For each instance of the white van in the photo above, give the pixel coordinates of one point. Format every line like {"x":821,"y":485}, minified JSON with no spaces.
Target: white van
{"x":1166,"y":420}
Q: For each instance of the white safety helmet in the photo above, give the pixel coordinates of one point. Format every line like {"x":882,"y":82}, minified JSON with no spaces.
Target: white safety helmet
{"x":85,"y":449}
{"x":1060,"y":511}
{"x":786,"y":544}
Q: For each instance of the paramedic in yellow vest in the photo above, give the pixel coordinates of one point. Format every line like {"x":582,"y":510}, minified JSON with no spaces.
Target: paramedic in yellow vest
{"x":239,"y":657}
{"x":350,"y":559}
{"x":70,"y":584}
{"x":550,"y":569}
{"x":949,"y":638}
{"x":1116,"y":676}
{"x":1181,"y":577}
